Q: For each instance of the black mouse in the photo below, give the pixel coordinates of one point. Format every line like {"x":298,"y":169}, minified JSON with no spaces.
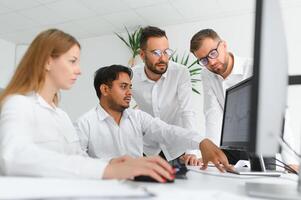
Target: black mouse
{"x":143,"y":178}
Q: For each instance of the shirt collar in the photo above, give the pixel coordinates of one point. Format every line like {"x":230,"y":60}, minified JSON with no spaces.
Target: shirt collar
{"x":41,"y":101}
{"x":102,"y":114}
{"x":237,"y":69}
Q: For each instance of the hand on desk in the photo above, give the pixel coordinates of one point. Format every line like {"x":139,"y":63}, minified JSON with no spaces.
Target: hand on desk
{"x":126,"y":168}
{"x":210,"y":152}
{"x":191,"y":159}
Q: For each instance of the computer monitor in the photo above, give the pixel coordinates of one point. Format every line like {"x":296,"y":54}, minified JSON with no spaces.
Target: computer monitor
{"x":269,"y":93}
{"x":236,"y":133}
{"x":236,"y":117}
{"x":270,"y":79}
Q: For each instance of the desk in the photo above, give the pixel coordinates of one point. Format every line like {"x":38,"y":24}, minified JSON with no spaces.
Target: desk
{"x":209,"y":184}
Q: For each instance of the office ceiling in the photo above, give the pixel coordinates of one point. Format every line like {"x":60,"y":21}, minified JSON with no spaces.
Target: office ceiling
{"x":21,"y":20}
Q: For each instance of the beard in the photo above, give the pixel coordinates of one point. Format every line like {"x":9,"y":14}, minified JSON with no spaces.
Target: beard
{"x":116,"y":106}
{"x":223,"y":69}
{"x":153,"y":67}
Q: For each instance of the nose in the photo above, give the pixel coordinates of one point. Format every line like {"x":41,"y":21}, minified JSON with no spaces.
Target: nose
{"x":129,"y":92}
{"x":78,"y":70}
{"x":211,"y":61}
{"x":164,"y":57}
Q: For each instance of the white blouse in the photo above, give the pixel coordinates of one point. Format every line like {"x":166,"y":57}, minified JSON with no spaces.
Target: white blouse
{"x":39,"y":140}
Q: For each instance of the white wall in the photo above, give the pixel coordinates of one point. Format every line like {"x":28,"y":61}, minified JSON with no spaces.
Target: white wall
{"x":7,"y":61}
{"x":293,"y":32}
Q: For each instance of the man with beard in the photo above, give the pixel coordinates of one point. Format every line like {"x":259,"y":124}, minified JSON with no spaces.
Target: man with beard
{"x":161,"y":87}
{"x":222,"y":69}
{"x":112,"y":129}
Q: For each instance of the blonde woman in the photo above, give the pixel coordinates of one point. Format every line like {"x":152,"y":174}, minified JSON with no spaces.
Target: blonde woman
{"x":37,"y":137}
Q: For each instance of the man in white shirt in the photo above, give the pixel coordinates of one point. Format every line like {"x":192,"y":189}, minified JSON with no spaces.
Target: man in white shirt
{"x":162,"y":88}
{"x":222,"y":69}
{"x":112,"y":129}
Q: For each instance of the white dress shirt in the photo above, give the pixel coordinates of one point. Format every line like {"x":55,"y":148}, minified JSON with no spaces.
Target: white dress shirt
{"x":169,"y":98}
{"x":137,"y":132}
{"x":40,"y":140}
{"x":214,"y":89}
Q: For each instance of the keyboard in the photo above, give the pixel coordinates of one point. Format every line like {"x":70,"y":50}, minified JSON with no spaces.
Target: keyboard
{"x":247,"y":171}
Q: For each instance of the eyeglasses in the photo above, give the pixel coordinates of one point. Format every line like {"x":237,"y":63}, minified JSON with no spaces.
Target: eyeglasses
{"x":212,"y":55}
{"x":158,"y":53}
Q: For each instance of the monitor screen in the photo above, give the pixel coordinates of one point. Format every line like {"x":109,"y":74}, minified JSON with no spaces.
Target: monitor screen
{"x":235,"y":127}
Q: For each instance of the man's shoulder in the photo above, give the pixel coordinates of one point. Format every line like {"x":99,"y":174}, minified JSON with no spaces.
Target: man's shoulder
{"x":177,"y":70}
{"x":89,"y":115}
{"x":176,"y":66}
{"x":138,"y":71}
{"x":138,"y":68}
{"x":206,"y":74}
{"x":136,"y":113}
{"x":243,"y":61}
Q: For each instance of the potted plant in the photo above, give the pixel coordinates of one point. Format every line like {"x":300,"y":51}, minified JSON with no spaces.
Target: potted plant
{"x":132,"y":42}
{"x":194,"y":69}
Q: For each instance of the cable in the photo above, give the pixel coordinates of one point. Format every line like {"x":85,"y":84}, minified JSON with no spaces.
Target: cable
{"x":287,"y":166}
{"x":284,"y":167}
{"x":282,"y":141}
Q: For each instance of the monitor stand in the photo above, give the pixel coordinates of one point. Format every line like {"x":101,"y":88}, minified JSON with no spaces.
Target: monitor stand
{"x":257,"y":168}
{"x":275,"y":191}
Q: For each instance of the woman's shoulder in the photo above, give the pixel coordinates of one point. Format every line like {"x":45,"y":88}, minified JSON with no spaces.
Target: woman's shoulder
{"x":17,"y":100}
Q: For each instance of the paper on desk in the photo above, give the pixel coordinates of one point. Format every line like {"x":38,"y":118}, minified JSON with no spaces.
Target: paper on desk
{"x":40,"y":188}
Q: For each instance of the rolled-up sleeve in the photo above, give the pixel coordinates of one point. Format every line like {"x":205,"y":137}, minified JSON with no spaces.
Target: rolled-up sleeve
{"x":173,"y":140}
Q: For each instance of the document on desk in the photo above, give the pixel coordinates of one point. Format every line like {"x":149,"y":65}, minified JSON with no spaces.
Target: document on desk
{"x":40,"y":188}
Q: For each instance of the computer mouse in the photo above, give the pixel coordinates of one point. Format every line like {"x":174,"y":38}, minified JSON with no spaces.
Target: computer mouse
{"x":180,"y":174}
{"x":143,"y":178}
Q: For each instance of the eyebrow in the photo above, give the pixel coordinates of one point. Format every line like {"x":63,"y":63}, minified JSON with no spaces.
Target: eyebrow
{"x":126,"y":84}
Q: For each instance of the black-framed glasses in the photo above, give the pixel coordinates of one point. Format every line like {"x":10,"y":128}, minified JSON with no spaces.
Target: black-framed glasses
{"x":158,"y":53}
{"x":212,"y":55}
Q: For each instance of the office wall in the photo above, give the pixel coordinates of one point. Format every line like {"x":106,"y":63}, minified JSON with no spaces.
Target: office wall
{"x":7,"y":61}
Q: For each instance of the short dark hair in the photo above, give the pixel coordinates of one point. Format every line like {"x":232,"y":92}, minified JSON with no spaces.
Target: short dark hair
{"x":150,"y":31}
{"x":106,"y":75}
{"x":199,"y":37}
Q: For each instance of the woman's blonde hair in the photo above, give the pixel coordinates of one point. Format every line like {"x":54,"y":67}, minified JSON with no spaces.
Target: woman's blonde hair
{"x":30,"y":73}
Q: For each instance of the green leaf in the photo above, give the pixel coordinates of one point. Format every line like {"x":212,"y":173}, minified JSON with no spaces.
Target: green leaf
{"x":120,"y":37}
{"x":196,"y":91}
{"x":194,"y":68}
{"x":132,"y":41}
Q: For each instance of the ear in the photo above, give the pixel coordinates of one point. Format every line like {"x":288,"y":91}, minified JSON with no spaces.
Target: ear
{"x":48,"y":64}
{"x":104,"y":89}
{"x":142,"y":55}
{"x":225,"y":44}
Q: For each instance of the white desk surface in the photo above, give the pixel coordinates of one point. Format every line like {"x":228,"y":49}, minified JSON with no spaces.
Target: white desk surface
{"x":209,"y":184}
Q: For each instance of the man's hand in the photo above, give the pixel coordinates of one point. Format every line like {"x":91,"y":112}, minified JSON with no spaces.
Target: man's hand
{"x":191,"y":159}
{"x":210,"y":152}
